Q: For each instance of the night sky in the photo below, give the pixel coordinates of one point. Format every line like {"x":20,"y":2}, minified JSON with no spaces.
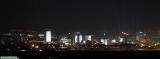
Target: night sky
{"x":81,"y":15}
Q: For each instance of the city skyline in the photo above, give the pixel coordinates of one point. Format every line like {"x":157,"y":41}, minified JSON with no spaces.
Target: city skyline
{"x":79,"y":29}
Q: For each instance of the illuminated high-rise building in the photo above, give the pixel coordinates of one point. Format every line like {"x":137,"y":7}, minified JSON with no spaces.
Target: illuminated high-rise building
{"x":78,"y":38}
{"x":88,"y":37}
{"x":48,"y":36}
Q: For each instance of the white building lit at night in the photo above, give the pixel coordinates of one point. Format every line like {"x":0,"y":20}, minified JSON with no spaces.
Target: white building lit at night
{"x":48,"y":36}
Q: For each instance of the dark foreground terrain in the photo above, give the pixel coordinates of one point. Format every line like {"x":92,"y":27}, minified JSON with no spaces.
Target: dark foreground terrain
{"x":82,"y":54}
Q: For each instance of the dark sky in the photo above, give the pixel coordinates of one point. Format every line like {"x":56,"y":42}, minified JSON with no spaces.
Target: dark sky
{"x":81,"y":15}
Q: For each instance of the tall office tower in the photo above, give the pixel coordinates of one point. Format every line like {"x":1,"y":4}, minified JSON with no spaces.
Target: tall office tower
{"x":78,"y":37}
{"x":48,"y":36}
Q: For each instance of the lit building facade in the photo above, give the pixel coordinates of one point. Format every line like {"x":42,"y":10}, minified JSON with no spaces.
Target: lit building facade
{"x":48,"y":36}
{"x":78,"y":37}
{"x":88,"y":37}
